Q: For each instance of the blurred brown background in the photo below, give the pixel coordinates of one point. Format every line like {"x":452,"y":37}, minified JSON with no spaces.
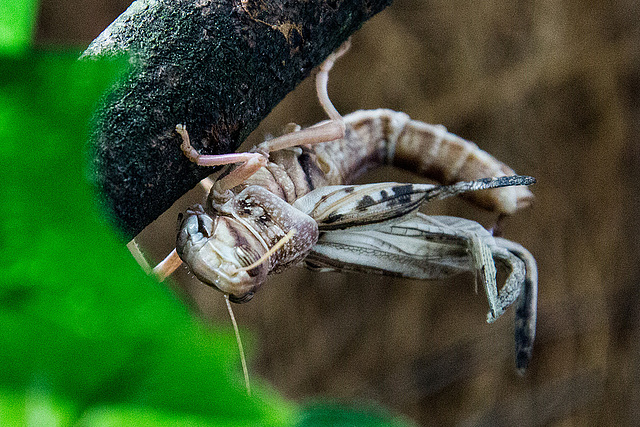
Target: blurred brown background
{"x":552,"y":88}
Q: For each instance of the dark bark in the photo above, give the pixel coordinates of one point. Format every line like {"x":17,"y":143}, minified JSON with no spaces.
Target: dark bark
{"x":218,"y":67}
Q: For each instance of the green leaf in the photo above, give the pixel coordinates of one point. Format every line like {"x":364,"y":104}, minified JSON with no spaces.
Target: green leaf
{"x":35,"y":408}
{"x":86,"y":336}
{"x":17,"y":18}
{"x":80,"y":321}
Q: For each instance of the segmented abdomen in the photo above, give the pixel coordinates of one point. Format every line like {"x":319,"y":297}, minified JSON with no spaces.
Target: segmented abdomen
{"x":376,"y":137}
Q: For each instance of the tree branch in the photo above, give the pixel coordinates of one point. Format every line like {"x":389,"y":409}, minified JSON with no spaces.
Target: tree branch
{"x":218,"y":67}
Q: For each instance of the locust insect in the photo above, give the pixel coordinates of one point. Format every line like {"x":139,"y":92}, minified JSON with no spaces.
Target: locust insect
{"x":291,"y":201}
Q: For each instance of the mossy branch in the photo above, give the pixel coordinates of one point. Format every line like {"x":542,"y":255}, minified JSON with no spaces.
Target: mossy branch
{"x":218,"y":67}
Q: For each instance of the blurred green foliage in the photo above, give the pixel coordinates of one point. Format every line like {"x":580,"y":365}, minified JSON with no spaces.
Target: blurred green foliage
{"x":16,"y":25}
{"x":82,"y":329}
{"x":86,"y":338}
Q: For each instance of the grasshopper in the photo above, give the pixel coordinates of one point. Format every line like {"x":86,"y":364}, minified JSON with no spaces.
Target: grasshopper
{"x":291,"y":201}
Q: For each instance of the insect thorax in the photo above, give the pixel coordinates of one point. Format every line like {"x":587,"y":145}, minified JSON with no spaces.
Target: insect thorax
{"x":269,"y":219}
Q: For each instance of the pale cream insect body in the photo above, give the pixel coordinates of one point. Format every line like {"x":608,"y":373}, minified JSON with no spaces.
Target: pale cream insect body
{"x":367,"y":228}
{"x":291,"y":201}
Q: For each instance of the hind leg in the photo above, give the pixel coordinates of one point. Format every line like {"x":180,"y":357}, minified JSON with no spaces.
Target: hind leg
{"x":527,"y":304}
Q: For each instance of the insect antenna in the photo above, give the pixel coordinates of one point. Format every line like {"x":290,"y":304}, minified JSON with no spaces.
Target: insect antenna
{"x":262,"y":259}
{"x":270,"y":252}
{"x":135,"y":250}
{"x":243,"y":360}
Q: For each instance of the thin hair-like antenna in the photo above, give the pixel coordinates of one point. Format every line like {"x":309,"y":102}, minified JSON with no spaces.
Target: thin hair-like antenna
{"x":135,"y":250}
{"x":245,"y":371}
{"x":271,"y":251}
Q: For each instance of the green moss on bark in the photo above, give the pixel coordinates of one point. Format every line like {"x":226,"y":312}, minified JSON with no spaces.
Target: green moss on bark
{"x":217,"y":67}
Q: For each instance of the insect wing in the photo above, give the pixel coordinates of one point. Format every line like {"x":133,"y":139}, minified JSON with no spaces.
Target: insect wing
{"x":476,"y":240}
{"x":419,"y":248}
{"x":342,"y":206}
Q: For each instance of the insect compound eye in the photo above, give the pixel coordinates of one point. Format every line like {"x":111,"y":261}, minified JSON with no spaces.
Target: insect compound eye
{"x":179,"y":223}
{"x":205,"y":225}
{"x":241,"y":299}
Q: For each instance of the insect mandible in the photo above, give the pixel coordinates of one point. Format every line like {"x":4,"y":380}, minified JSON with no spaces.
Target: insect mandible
{"x":290,"y":201}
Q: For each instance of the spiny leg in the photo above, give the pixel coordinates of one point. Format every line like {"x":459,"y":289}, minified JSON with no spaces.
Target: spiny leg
{"x":413,"y":248}
{"x":514,"y":282}
{"x":322,"y":80}
{"x":481,"y":255}
{"x":251,"y":162}
{"x":406,"y":249}
{"x":527,"y":305}
{"x":339,"y":207}
{"x":323,"y":132}
{"x":484,"y":266}
{"x":420,"y":247}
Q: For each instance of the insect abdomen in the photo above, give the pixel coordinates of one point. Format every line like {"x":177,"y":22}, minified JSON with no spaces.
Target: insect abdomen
{"x":376,"y":137}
